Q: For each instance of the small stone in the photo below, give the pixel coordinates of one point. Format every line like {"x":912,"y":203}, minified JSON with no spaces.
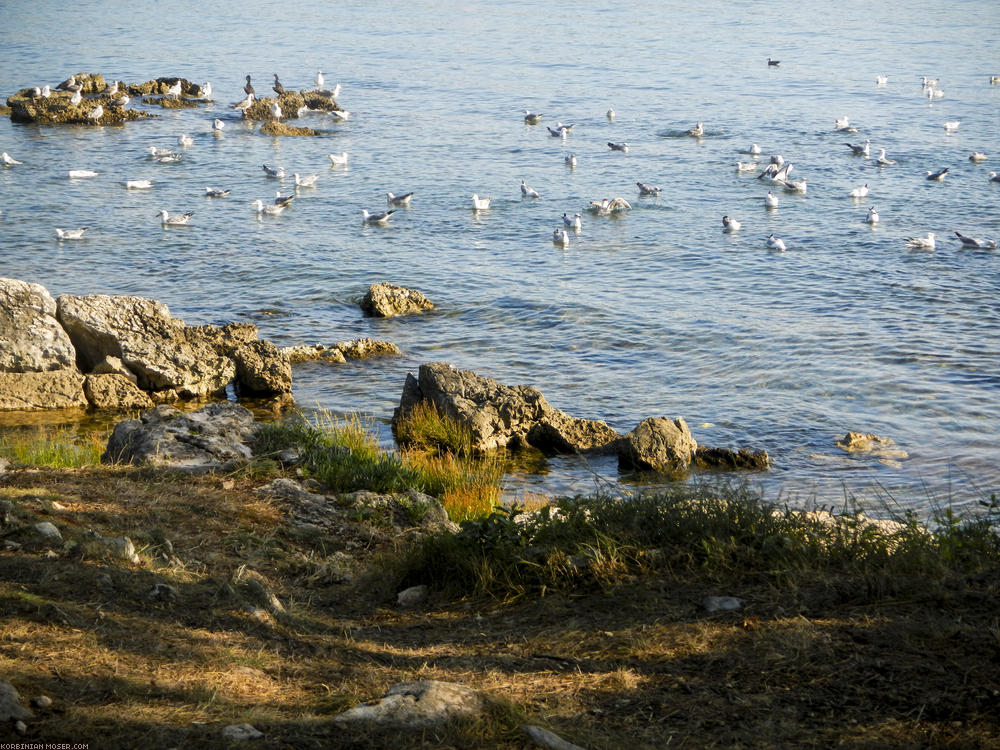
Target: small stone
{"x":49,"y":531}
{"x":41,"y":701}
{"x":721,"y":603}
{"x":162,"y":592}
{"x":545,"y":738}
{"x":20,"y":727}
{"x":411,"y":596}
{"x":241,"y":732}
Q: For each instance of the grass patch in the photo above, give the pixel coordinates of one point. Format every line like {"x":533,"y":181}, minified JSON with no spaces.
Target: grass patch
{"x":54,"y":449}
{"x":424,"y":428}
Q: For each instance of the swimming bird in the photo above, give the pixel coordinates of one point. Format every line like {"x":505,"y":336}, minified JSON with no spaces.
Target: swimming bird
{"x":978,"y":156}
{"x":398,"y":200}
{"x":775,"y":243}
{"x":277,"y":87}
{"x":276,"y":111}
{"x":994,"y":80}
{"x":168,"y":158}
{"x":623,"y":147}
{"x":929,"y":82}
{"x":283,"y":200}
{"x":872,"y":217}
{"x":175,"y":90}
{"x":174,"y":220}
{"x":860,"y":192}
{"x":773,"y":63}
{"x":138,"y":184}
{"x":933,"y":93}
{"x":952,"y":125}
{"x":770,"y":200}
{"x":730,"y":224}
{"x":794,"y":186}
{"x":218,"y":125}
{"x":377,"y":218}
{"x":560,"y":130}
{"x":754,"y":149}
{"x":8,"y":160}
{"x":881,"y":80}
{"x":81,"y":173}
{"x":882,"y":160}
{"x":248,"y":88}
{"x":319,"y":79}
{"x":610,"y":114}
{"x":480,"y":204}
{"x":841,"y":122}
{"x":340,"y":115}
{"x":968,"y":241}
{"x":747,"y":166}
{"x":338,"y":160}
{"x":532,"y":118}
{"x":76,"y":98}
{"x":278,"y":173}
{"x":206,"y":90}
{"x":921,"y":243}
{"x":71,"y":234}
{"x":607,"y":206}
{"x":862,"y":150}
{"x":308,"y":180}
{"x":185,"y":140}
{"x":993,"y":177}
{"x":211,"y":192}
{"x":648,"y":190}
{"x":156,"y":153}
{"x":268,"y":209}
{"x":697,"y":131}
{"x":937,"y":176}
{"x":528,"y":192}
{"x":244,"y":104}
{"x":560,"y":237}
{"x":570,"y":159}
{"x":574,"y":222}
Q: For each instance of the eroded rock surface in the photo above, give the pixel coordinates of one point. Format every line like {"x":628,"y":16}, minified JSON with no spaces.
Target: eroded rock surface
{"x":33,"y":340}
{"x":385,"y":300}
{"x":425,"y":703}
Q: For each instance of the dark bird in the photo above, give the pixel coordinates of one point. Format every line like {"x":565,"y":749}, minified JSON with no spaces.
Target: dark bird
{"x":278,"y":88}
{"x":249,"y":87}
{"x":937,"y":176}
{"x":773,"y":63}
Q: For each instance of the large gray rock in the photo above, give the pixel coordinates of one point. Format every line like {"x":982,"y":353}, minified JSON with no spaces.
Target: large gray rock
{"x":150,"y":343}
{"x":10,"y":704}
{"x":499,"y":415}
{"x":58,"y":389}
{"x":425,"y":703}
{"x":214,"y":438}
{"x":261,"y":368}
{"x":33,"y":340}
{"x":658,"y":444}
{"x":385,"y":300}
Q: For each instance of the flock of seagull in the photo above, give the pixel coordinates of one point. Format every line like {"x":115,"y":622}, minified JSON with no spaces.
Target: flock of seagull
{"x":776,"y":171}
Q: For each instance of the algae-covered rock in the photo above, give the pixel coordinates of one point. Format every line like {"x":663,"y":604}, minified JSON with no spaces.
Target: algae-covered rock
{"x":169,"y":102}
{"x":275,"y":127}
{"x":58,"y":109}
{"x":162,"y":85}
{"x":290,"y":102}
{"x":321,"y":99}
{"x":91,"y":83}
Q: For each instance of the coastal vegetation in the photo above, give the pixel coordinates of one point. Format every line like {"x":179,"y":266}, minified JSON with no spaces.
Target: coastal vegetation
{"x":701,"y":616}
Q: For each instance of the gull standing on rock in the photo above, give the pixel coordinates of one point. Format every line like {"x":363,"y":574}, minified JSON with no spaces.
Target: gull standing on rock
{"x":76,"y":98}
{"x":175,"y":90}
{"x":244,"y":105}
{"x":276,"y":111}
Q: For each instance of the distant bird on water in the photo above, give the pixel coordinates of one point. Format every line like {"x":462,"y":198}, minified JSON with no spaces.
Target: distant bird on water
{"x":861,"y":150}
{"x":977,"y":156}
{"x":937,"y":176}
{"x":570,"y":160}
{"x":872,"y":217}
{"x":881,"y":80}
{"x":560,"y":237}
{"x":138,"y":184}
{"x":532,"y":118}
{"x":338,"y":160}
{"x":308,"y":180}
{"x":574,"y":222}
{"x":206,"y":90}
{"x":398,"y":200}
{"x":623,"y":147}
{"x":730,"y":224}
{"x":992,"y":176}
{"x":377,"y":218}
{"x":528,"y":192}
{"x":8,"y":161}
{"x":921,"y":243}
{"x":174,"y":220}
{"x":76,"y":174}
{"x":697,"y":131}
{"x":968,"y":241}
{"x":268,"y":209}
{"x":218,"y":125}
{"x":248,"y":88}
{"x":480,"y":204}
{"x":277,"y":87}
{"x":951,"y":126}
{"x":70,"y":234}
{"x":860,"y":192}
{"x":770,"y":200}
{"x":883,"y":160}
{"x":775,"y":243}
{"x":773,"y":63}
{"x":185,"y":140}
{"x":215,"y":192}
{"x":276,"y":172}
{"x":649,"y":190}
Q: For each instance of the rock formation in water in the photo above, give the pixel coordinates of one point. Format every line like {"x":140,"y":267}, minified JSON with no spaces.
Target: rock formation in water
{"x":385,"y":300}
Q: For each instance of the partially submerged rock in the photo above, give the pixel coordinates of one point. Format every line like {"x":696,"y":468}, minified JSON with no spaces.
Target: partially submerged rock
{"x":114,"y":391}
{"x":366,"y":347}
{"x":275,"y":127}
{"x":425,"y":703}
{"x":339,"y":352}
{"x":58,"y":109}
{"x":162,"y":85}
{"x":870,"y":444}
{"x":386,"y":300}
{"x":290,"y":102}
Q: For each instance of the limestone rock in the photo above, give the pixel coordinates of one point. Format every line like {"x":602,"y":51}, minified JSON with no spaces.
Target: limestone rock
{"x":162,"y":85}
{"x":241,"y":733}
{"x":10,"y":704}
{"x":425,"y":703}
{"x":276,"y":127}
{"x":113,"y":365}
{"x":728,"y":459}
{"x":33,"y":340}
{"x":401,"y":509}
{"x":290,"y":103}
{"x":59,"y":389}
{"x":884,"y":449}
{"x":312,"y":353}
{"x":49,"y":531}
{"x":58,"y":109}
{"x":548,"y":739}
{"x":412,"y":596}
{"x":113,"y":391}
{"x":214,"y":438}
{"x":150,"y":343}
{"x":262,"y":368}
{"x":658,"y":444}
{"x":364,"y":348}
{"x":386,"y":300}
{"x":320,"y":99}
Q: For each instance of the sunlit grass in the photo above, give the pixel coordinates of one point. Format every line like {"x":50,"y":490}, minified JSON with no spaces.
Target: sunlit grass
{"x":52,"y":449}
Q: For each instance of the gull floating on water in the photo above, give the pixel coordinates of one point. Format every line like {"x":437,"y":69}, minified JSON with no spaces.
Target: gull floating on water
{"x":338,"y":160}
{"x":937,"y":176}
{"x":138,"y":184}
{"x":398,"y":200}
{"x":648,"y":190}
{"x":377,"y":218}
{"x":862,"y":150}
{"x":882,"y":160}
{"x":218,"y":125}
{"x":185,"y":140}
{"x":977,"y":156}
{"x":754,"y":149}
{"x":623,"y":147}
{"x":770,"y":200}
{"x":283,"y":200}
{"x":921,"y":243}
{"x":278,"y":173}
{"x":532,"y":118}
{"x":80,"y":173}
{"x":340,"y":115}
{"x":610,"y":205}
{"x":70,"y":234}
{"x":793,"y":186}
{"x":775,"y":243}
{"x":305,"y":181}
{"x":773,"y":63}
{"x":933,"y":93}
{"x":211,"y":192}
{"x":860,"y":192}
{"x":528,"y":192}
{"x":610,"y":114}
{"x":841,"y":122}
{"x":174,"y":220}
{"x":560,"y":130}
{"x":480,"y":204}
{"x":952,"y":125}
{"x":747,"y":166}
{"x":570,"y":159}
{"x":560,"y":237}
{"x":872,"y":217}
{"x":968,"y":241}
{"x":881,"y":80}
{"x":697,"y":131}
{"x":730,"y":224}
{"x":993,"y":177}
{"x":268,"y":209}
{"x":994,"y":80}
{"x":157,"y":153}
{"x":574,"y":222}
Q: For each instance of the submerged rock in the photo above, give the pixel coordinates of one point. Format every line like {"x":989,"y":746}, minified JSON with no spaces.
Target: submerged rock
{"x":729,"y":459}
{"x":364,"y":348}
{"x":385,"y":300}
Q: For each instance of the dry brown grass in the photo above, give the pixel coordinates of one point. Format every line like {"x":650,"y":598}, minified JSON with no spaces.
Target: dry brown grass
{"x":637,"y":664}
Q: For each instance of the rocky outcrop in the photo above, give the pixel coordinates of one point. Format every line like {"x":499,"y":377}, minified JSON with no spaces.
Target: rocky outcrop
{"x":214,"y":438}
{"x":276,"y":127}
{"x":385,"y":300}
{"x":341,"y":351}
{"x":162,"y":85}
{"x":261,"y":369}
{"x":320,"y":99}
{"x":114,"y":391}
{"x":57,"y":389}
{"x":58,"y":109}
{"x":33,"y":340}
{"x":290,"y":102}
{"x":501,"y":416}
{"x":426,"y":703}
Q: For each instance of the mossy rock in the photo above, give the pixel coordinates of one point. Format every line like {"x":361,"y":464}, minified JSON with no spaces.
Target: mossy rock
{"x":318,"y":99}
{"x":5,"y":110}
{"x":276,"y":127}
{"x":290,"y":103}
{"x":92,"y":83}
{"x":161,"y":85}
{"x":57,"y":110}
{"x":169,"y":102}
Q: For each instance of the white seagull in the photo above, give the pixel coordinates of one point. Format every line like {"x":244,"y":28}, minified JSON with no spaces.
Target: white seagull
{"x":532,"y":118}
{"x":730,"y":224}
{"x":697,"y":131}
{"x":607,"y":206}
{"x":211,"y":192}
{"x":560,"y":130}
{"x":138,"y":184}
{"x":268,"y":209}
{"x":860,"y":192}
{"x":206,"y":90}
{"x":244,"y":104}
{"x":95,"y":113}
{"x":921,"y":243}
{"x":770,"y":200}
{"x":8,"y":161}
{"x":610,"y":114}
{"x":175,"y":90}
{"x":993,"y":177}
{"x":649,"y":190}
{"x":882,"y":160}
{"x":754,"y":149}
{"x":977,"y":156}
{"x":75,"y":174}
{"x":480,"y":204}
{"x":398,"y":200}
{"x":862,"y":150}
{"x":937,"y":176}
{"x":46,"y":91}
{"x":872,"y":217}
{"x":70,"y":234}
{"x":218,"y":125}
{"x":841,"y":122}
{"x":338,"y":160}
{"x":278,"y":173}
{"x":747,"y":166}
{"x":319,"y":79}
{"x":775,"y":243}
{"x":174,"y":220}
{"x":574,"y":222}
{"x":570,"y":160}
{"x":377,"y":218}
{"x":76,"y":98}
{"x":968,"y":241}
{"x":952,"y":125}
{"x":308,"y":180}
{"x":276,"y":111}
{"x":560,"y":237}
{"x":185,"y":140}
{"x":795,"y":186}
{"x":881,"y":80}
{"x":528,"y":192}
{"x":157,"y":153}
{"x":623,"y":147}
{"x":340,"y":115}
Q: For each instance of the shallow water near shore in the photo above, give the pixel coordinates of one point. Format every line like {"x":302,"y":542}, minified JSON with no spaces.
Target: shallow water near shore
{"x":656,"y":312}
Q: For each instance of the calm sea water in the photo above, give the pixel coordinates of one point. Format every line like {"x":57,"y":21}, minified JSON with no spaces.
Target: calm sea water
{"x":652,"y":313}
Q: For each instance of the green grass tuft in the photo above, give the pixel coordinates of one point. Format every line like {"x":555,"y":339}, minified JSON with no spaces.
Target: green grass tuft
{"x":52,"y":449}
